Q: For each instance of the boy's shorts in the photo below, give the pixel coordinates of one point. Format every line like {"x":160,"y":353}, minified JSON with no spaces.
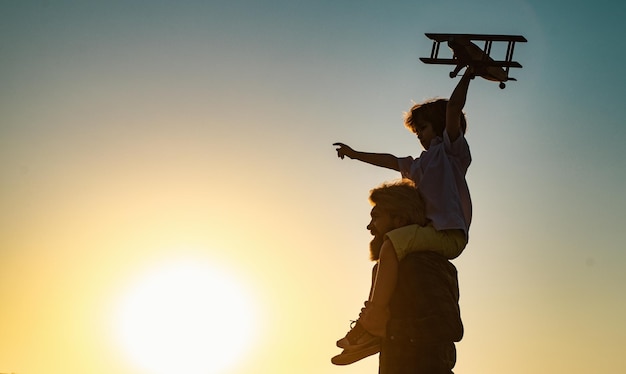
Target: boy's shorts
{"x":413,"y":238}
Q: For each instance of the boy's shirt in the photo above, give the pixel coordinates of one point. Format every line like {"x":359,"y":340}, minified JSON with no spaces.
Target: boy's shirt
{"x":439,"y":174}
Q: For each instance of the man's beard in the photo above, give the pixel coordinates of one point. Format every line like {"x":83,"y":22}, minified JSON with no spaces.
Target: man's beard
{"x":375,"y":246}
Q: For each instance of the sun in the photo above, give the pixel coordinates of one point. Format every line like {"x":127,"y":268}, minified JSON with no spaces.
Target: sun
{"x":185,"y":317}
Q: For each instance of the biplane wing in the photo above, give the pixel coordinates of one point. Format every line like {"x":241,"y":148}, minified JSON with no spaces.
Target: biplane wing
{"x":478,"y":37}
{"x":451,"y":61}
{"x":466,"y":53}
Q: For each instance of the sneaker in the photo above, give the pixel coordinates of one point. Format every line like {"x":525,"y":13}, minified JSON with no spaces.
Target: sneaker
{"x":374,"y":319}
{"x":357,"y":335}
{"x":354,"y":353}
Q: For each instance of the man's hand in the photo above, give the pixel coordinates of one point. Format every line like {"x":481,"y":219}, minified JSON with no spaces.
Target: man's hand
{"x":344,"y":150}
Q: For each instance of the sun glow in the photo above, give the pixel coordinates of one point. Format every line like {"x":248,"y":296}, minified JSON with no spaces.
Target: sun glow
{"x":185,"y":317}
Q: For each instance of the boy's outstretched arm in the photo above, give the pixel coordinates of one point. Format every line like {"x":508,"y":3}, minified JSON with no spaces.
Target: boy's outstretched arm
{"x":456,"y":104}
{"x":384,"y":160}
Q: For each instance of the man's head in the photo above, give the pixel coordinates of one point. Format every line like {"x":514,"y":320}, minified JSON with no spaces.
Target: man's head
{"x":394,"y":205}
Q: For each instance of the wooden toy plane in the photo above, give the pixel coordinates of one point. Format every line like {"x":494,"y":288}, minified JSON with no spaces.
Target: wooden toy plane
{"x":466,"y":53}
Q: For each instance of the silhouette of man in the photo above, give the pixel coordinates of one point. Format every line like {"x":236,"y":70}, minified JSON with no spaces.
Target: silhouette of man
{"x":425,"y":319}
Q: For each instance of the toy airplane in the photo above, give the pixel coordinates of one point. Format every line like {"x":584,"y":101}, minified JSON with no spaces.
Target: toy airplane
{"x":466,"y":53}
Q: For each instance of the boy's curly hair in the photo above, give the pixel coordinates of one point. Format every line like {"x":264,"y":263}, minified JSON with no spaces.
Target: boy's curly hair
{"x":433,"y":111}
{"x":400,"y":199}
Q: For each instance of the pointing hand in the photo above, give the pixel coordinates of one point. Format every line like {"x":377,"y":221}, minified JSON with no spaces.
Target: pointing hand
{"x":343,"y":150}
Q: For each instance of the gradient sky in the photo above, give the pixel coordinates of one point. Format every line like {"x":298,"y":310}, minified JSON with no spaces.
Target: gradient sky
{"x":137,"y":134}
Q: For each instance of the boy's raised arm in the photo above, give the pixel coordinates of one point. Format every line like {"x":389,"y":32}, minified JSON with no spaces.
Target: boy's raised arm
{"x":384,"y":160}
{"x":456,"y":104}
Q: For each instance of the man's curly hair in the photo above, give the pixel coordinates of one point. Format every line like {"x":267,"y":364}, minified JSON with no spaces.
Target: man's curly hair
{"x":400,"y":199}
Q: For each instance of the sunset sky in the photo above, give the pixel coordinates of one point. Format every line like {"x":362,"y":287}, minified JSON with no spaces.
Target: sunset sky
{"x":170,"y":163}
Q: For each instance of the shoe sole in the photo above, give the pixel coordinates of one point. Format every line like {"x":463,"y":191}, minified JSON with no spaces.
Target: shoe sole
{"x":349,"y":356}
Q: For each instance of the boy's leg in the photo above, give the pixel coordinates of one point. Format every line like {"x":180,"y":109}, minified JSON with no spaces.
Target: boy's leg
{"x":415,"y":238}
{"x":357,"y":333}
{"x":375,"y":315}
{"x":360,"y":342}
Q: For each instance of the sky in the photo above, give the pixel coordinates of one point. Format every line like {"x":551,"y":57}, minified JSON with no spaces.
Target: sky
{"x":168,"y":166}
